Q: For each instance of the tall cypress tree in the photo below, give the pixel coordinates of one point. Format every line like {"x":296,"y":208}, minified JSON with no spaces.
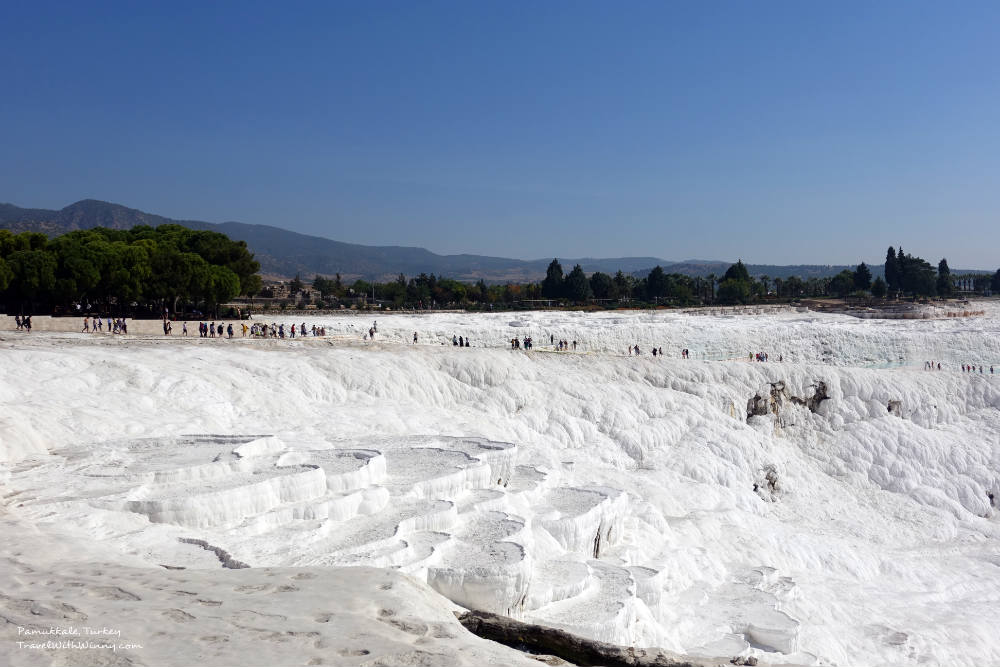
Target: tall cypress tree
{"x":943,"y":278}
{"x":891,"y":269}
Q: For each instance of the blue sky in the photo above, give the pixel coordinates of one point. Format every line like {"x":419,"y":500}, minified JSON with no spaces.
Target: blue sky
{"x":796,"y":132}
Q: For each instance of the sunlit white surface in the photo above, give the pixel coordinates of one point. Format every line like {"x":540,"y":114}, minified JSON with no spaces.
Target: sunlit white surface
{"x":628,"y":499}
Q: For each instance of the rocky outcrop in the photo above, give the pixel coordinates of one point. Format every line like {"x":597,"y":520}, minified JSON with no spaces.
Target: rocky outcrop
{"x":759,"y":406}
{"x":812,"y":402}
{"x":539,"y":639}
{"x":768,"y":485}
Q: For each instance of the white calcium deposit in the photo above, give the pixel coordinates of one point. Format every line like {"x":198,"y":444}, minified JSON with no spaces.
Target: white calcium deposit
{"x":626,"y":499}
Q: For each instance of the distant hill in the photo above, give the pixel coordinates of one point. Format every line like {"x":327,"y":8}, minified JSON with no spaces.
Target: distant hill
{"x":283,"y":253}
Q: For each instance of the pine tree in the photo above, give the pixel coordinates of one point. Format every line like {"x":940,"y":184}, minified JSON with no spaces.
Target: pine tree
{"x":737,"y":271}
{"x":552,"y":286}
{"x":656,"y":283}
{"x":862,"y":277}
{"x":736,"y":284}
{"x":602,"y":285}
{"x":577,"y":287}
{"x":623,"y":284}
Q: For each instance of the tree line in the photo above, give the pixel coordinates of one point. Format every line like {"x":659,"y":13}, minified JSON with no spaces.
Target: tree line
{"x":142,"y":269}
{"x":906,"y":276}
{"x":146,"y":268}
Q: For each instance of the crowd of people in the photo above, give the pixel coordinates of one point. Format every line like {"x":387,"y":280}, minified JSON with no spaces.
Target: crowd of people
{"x":966,"y":368}
{"x":116,"y":326}
{"x":255,"y":330}
{"x":636,"y":350}
{"x":274,"y":330}
{"x":206,"y":330}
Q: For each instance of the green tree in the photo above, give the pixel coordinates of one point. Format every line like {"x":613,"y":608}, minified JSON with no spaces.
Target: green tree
{"x":552,"y":286}
{"x":736,"y":285}
{"x":623,"y":285}
{"x":197,"y":275}
{"x":944,"y":285}
{"x":891,"y":269}
{"x":602,"y":285}
{"x":8,"y":242}
{"x":577,"y":287}
{"x":33,"y":274}
{"x":737,"y":271}
{"x":794,"y":286}
{"x":225,"y":285}
{"x":130,"y":278}
{"x":250,"y":286}
{"x":842,"y":284}
{"x":6,"y":274}
{"x":879,"y":288}
{"x":733,"y":291}
{"x":916,"y":275}
{"x":862,"y":277}
{"x":656,"y":283}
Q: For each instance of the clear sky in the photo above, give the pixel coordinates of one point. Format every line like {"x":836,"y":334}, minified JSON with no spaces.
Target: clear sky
{"x":798,"y":132}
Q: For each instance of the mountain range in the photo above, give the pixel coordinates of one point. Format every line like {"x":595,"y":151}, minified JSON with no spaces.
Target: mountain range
{"x":284,"y":254}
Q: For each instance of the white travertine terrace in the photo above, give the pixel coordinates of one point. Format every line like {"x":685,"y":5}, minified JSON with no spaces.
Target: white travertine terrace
{"x":625,"y":499}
